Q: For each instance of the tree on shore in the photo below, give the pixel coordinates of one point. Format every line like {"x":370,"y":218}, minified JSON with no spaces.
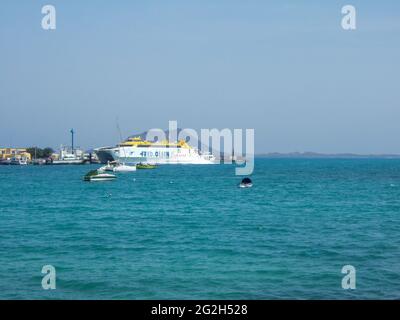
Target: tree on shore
{"x":40,"y":153}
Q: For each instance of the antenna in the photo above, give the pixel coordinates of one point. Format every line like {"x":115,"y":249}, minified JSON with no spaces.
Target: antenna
{"x":72,"y":138}
{"x":119,"y":130}
{"x":120,"y":136}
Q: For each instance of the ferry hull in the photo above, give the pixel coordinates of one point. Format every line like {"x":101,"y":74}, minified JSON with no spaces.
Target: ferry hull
{"x":69,"y":162}
{"x":104,"y":155}
{"x":133,"y":156}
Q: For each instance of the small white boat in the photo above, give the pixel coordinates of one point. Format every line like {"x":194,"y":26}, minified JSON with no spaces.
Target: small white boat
{"x":117,"y":167}
{"x":124,"y":168}
{"x":39,"y":162}
{"x":95,"y":175}
{"x":103,"y":177}
{"x":106,"y":168}
{"x":5,"y":162}
{"x":23,"y":161}
{"x":246,"y":183}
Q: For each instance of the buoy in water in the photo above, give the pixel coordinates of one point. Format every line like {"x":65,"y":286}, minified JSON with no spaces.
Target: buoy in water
{"x":246,"y":183}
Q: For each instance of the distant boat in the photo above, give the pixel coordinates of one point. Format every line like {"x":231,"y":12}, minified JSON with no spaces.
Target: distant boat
{"x":69,"y":155}
{"x":145,"y":166}
{"x":19,"y":161}
{"x":124,"y":168}
{"x":95,"y":175}
{"x":246,"y":183}
{"x":115,"y":166}
{"x":69,"y":158}
{"x":39,"y":162}
{"x":5,"y":161}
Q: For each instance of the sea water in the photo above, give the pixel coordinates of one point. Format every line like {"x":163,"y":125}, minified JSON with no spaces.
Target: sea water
{"x":189,"y":232}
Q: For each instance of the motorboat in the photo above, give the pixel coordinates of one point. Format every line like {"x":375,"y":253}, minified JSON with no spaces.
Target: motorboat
{"x":95,"y":175}
{"x":19,"y":161}
{"x":124,"y":168}
{"x":115,"y":166}
{"x":145,"y":166}
{"x":246,"y":183}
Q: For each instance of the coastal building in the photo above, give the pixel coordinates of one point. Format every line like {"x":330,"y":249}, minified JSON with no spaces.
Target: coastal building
{"x":16,"y":153}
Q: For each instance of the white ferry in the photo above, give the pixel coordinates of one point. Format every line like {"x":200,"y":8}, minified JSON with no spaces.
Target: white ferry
{"x":136,"y":150}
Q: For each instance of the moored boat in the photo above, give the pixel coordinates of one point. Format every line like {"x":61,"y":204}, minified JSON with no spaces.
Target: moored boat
{"x":246,"y":183}
{"x":115,"y":166}
{"x":72,"y":155}
{"x":19,"y":161}
{"x":39,"y":162}
{"x":67,"y":158}
{"x":145,"y":166}
{"x":5,"y":162}
{"x":124,"y":168}
{"x":95,"y":175}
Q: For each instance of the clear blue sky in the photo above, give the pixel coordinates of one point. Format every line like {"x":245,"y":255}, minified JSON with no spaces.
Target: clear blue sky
{"x":285,"y":68}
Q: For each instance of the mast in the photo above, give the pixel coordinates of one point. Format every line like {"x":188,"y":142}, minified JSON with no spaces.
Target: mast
{"x":120,"y":137}
{"x":72,"y":138}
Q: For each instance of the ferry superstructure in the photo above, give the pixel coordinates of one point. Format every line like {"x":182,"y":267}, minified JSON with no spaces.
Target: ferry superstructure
{"x":136,"y":150}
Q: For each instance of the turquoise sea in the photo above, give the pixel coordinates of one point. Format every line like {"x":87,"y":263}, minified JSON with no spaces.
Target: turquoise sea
{"x":188,"y":232}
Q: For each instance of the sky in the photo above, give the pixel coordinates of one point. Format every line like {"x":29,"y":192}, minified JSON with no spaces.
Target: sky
{"x":286,"y":69}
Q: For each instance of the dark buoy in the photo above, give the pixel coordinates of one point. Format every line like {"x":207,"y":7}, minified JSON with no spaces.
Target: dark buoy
{"x":246,"y":183}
